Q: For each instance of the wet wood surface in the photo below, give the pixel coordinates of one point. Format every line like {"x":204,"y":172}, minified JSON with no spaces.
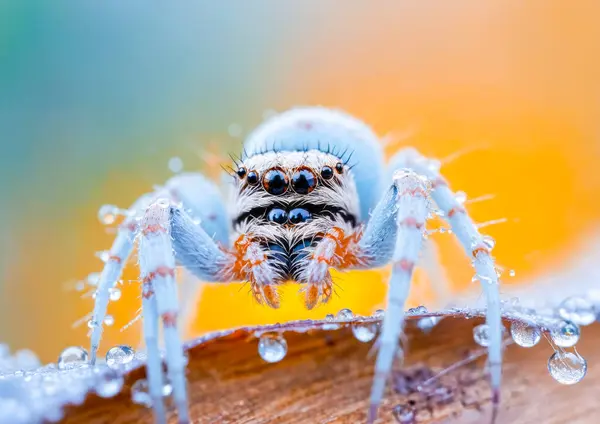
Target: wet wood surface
{"x":326,"y":378}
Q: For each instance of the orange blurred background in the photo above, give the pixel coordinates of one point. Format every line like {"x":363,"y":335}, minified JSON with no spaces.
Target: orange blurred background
{"x":515,"y":83}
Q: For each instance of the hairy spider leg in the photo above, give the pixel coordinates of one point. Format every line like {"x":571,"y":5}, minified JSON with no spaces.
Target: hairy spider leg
{"x":473,"y":243}
{"x":409,"y":206}
{"x":119,"y":254}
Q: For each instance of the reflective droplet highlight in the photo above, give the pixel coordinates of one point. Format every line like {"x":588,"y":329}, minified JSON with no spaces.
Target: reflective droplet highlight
{"x":481,"y":335}
{"x":107,"y":214}
{"x":344,"y":314}
{"x":525,"y":335}
{"x":72,"y":357}
{"x":114,"y":294}
{"x":578,"y":310}
{"x":566,"y":335}
{"x":364,"y":332}
{"x":119,"y":356}
{"x":567,"y":367}
{"x":272,"y":347}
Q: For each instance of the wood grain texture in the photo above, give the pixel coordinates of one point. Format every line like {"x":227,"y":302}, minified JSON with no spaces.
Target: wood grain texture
{"x":326,"y":378}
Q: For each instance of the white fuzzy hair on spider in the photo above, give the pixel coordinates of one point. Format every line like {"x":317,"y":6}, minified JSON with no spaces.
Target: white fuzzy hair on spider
{"x":311,"y":192}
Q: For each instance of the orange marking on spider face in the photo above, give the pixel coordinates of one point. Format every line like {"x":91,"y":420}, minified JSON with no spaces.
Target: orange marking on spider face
{"x":480,"y":249}
{"x":455,"y":210}
{"x":153,"y":228}
{"x":169,"y":319}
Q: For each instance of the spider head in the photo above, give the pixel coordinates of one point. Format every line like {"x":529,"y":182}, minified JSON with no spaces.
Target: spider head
{"x":287,"y":201}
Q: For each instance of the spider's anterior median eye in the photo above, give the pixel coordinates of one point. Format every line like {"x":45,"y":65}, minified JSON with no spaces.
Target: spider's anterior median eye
{"x":275,"y":181}
{"x":327,"y":172}
{"x":278,"y":216}
{"x":299,"y":215}
{"x":339,"y":167}
{"x":241,"y":172}
{"x":252,"y":178}
{"x":304,"y":180}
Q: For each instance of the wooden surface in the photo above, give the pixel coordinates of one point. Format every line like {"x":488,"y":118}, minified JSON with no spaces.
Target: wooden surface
{"x":326,"y":378}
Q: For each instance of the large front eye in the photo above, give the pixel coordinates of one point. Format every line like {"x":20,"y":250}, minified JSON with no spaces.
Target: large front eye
{"x":299,"y":215}
{"x":278,"y":215}
{"x":304,"y":180}
{"x":275,"y":181}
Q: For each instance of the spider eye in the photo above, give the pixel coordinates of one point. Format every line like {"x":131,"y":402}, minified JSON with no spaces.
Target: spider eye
{"x":327,"y":172}
{"x":304,"y":181}
{"x":252,"y":178}
{"x":241,"y":172}
{"x":339,"y":167}
{"x":275,"y":181}
{"x":299,"y":215}
{"x":278,"y":216}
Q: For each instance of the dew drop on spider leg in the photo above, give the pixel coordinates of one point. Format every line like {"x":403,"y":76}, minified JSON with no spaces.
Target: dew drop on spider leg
{"x":578,"y":310}
{"x":481,"y":335}
{"x":404,"y":415}
{"x":364,"y":332}
{"x":175,"y":165}
{"x":379,"y":313}
{"x":72,"y":357}
{"x":566,"y":334}
{"x":489,"y":242}
{"x":119,"y":356}
{"x":567,"y":367}
{"x":272,"y":347}
{"x":525,"y":335}
{"x":103,"y":255}
{"x":107,"y":214}
{"x":114,"y":294}
{"x":345,"y":314}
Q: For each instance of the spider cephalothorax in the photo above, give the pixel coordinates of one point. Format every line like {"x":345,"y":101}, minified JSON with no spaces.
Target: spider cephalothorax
{"x":285,"y":204}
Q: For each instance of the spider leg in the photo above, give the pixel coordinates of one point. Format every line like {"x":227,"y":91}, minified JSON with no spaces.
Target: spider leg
{"x":119,"y":253}
{"x":405,"y":207}
{"x":472,"y":241}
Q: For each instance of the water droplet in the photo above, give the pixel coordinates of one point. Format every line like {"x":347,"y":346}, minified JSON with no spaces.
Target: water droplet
{"x":140,"y":393}
{"x":109,"y":320}
{"x":404,"y":415}
{"x":120,"y":355}
{"x":345,"y":314}
{"x":426,"y":324}
{"x":93,"y":278}
{"x":109,"y":384}
{"x":329,"y":317}
{"x":167,"y":389}
{"x":114,"y":294}
{"x":103,"y":255}
{"x":72,"y":357}
{"x":481,"y":335}
{"x":175,"y":164}
{"x":489,"y":242}
{"x":107,"y":214}
{"x":379,"y":313}
{"x":272,"y":347}
{"x":567,"y":367}
{"x":417,"y":311}
{"x":92,"y":324}
{"x":364,"y":332}
{"x":460,"y":196}
{"x":578,"y":310}
{"x":235,"y":130}
{"x":525,"y":335}
{"x":566,"y":335}
{"x":512,"y":273}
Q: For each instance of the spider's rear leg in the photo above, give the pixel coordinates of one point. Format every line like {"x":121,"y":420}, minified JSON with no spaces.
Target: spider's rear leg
{"x":472,"y":241}
{"x":398,"y":221}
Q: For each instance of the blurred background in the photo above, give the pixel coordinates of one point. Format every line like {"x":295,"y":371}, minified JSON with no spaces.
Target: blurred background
{"x":96,"y":97}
